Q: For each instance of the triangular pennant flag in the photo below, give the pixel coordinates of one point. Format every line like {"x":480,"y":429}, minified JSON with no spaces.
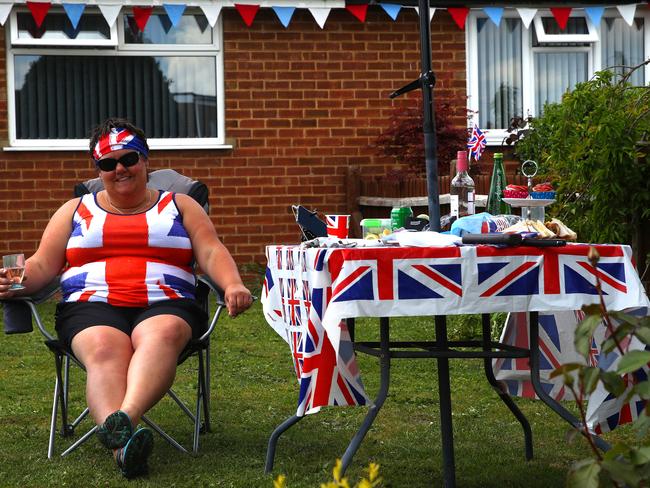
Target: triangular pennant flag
{"x":627,"y":12}
{"x":211,"y":13}
{"x":391,"y":9}
{"x":110,"y":13}
{"x":495,"y":14}
{"x":359,"y":11}
{"x":74,"y":11}
{"x":431,"y":12}
{"x":320,"y":15}
{"x":39,"y":11}
{"x":247,"y":12}
{"x":595,"y":14}
{"x":141,"y":16}
{"x":5,"y":9}
{"x":284,"y":14}
{"x":561,"y":15}
{"x":527,"y":15}
{"x":459,"y":15}
{"x":174,"y":11}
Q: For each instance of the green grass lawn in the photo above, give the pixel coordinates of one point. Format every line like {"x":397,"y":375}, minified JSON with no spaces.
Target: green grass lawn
{"x":254,"y":389}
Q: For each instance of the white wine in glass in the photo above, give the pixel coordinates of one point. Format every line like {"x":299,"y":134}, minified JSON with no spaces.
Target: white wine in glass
{"x":15,"y":266}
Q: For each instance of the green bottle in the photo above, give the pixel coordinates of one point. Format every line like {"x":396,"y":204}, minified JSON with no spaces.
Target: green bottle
{"x":495,"y":204}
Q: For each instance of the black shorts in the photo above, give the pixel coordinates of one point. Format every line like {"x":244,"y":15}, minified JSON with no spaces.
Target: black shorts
{"x":73,"y":317}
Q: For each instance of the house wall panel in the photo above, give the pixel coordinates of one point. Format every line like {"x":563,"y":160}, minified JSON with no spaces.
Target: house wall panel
{"x":302,"y":105}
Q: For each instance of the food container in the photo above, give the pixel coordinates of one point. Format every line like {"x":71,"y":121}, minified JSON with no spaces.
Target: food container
{"x":543,"y":195}
{"x":375,"y":228}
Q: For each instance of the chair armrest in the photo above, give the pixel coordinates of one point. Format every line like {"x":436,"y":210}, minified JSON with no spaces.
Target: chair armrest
{"x":206,"y":286}
{"x":18,"y":311}
{"x":214,"y":288}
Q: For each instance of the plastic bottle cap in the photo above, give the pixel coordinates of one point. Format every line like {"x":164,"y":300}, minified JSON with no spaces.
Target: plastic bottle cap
{"x":461,"y":161}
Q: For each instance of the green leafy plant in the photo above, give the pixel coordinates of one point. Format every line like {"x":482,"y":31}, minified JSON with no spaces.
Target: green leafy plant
{"x":590,"y":145}
{"x":627,"y":463}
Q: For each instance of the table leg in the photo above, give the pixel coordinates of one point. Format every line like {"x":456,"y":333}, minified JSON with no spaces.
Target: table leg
{"x":444,"y":393}
{"x":273,"y":441}
{"x":505,"y":398}
{"x":384,"y":364}
{"x":533,"y":327}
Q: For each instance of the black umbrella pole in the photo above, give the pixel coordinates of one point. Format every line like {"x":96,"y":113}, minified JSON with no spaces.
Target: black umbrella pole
{"x":428,"y":122}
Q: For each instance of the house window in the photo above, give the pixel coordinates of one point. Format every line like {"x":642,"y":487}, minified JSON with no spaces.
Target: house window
{"x":167,"y":80}
{"x":515,"y":71}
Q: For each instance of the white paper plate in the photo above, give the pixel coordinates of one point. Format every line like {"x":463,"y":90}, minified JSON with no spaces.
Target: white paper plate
{"x":528,"y":202}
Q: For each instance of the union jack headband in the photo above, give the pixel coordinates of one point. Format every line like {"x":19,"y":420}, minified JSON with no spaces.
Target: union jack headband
{"x":118,"y":139}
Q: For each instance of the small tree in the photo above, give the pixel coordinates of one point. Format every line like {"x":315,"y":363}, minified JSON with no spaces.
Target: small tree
{"x":589,"y":145}
{"x":403,"y":140}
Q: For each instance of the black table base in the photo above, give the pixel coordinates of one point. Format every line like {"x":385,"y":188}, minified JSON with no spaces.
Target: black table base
{"x":442,"y":350}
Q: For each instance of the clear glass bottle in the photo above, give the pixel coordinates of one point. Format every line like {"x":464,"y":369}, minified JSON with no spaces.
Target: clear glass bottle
{"x":495,"y":204}
{"x":461,"y":190}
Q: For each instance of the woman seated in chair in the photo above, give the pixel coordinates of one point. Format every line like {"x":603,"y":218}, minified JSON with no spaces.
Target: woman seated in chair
{"x":128,"y":306}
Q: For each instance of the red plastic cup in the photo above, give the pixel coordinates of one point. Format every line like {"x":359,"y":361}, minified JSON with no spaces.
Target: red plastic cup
{"x":338,"y":226}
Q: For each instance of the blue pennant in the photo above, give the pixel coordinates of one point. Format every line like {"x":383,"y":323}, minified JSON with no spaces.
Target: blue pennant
{"x":595,"y":14}
{"x":74,"y":12}
{"x":284,"y":14}
{"x":174,"y":12}
{"x":391,"y":9}
{"x":495,"y":14}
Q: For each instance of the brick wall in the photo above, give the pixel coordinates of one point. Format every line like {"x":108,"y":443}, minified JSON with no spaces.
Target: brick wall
{"x":302,"y":104}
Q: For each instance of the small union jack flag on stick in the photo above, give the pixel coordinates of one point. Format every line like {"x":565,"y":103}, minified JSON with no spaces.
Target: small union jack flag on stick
{"x":476,"y":143}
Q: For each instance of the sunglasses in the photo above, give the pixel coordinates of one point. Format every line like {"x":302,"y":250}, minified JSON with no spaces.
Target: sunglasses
{"x":127,"y":160}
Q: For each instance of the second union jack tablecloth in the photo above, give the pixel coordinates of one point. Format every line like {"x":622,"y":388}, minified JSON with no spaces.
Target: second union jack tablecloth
{"x":309,"y":292}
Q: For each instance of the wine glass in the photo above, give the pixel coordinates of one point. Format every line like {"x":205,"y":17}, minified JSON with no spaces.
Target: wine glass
{"x":14,"y":264}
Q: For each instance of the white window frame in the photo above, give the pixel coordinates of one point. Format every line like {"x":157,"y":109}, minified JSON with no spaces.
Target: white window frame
{"x":81,"y":48}
{"x":495,"y":137}
{"x":542,"y":36}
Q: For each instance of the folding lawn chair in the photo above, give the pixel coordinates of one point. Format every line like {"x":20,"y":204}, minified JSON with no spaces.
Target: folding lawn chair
{"x":165,"y":179}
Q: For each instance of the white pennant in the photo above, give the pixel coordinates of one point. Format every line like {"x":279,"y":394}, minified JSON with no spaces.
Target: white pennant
{"x":527,"y":15}
{"x":627,"y":12}
{"x":211,"y":13}
{"x":320,"y":14}
{"x":110,"y":13}
{"x":4,"y":12}
{"x":431,"y":12}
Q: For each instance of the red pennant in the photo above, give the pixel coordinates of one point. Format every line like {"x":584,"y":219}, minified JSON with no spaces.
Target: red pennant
{"x":39,"y":11}
{"x":247,"y":12}
{"x":359,"y":11}
{"x":459,"y":15}
{"x":141,"y":16}
{"x":561,"y":15}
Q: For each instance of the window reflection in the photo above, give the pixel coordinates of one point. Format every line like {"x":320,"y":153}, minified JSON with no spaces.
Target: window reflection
{"x":191,"y":29}
{"x":60,"y":97}
{"x":58,"y":26}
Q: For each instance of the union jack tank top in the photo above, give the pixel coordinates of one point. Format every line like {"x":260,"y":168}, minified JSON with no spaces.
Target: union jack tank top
{"x":128,"y":260}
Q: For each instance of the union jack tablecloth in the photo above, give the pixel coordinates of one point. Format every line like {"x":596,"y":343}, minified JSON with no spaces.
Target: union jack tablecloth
{"x":309,"y":292}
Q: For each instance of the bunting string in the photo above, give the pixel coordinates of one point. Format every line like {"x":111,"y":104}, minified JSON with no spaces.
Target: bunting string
{"x":320,"y":11}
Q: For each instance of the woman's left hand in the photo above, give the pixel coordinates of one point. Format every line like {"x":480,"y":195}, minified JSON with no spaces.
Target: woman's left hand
{"x":238,"y":299}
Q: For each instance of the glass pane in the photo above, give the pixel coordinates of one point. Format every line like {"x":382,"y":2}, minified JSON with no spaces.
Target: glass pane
{"x":499,"y":72}
{"x":622,"y":46}
{"x":191,"y":29}
{"x":58,"y":26}
{"x":63,"y":97}
{"x":555,"y":73}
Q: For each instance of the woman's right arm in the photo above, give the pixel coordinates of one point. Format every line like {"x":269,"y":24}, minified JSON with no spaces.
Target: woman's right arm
{"x":49,"y":258}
